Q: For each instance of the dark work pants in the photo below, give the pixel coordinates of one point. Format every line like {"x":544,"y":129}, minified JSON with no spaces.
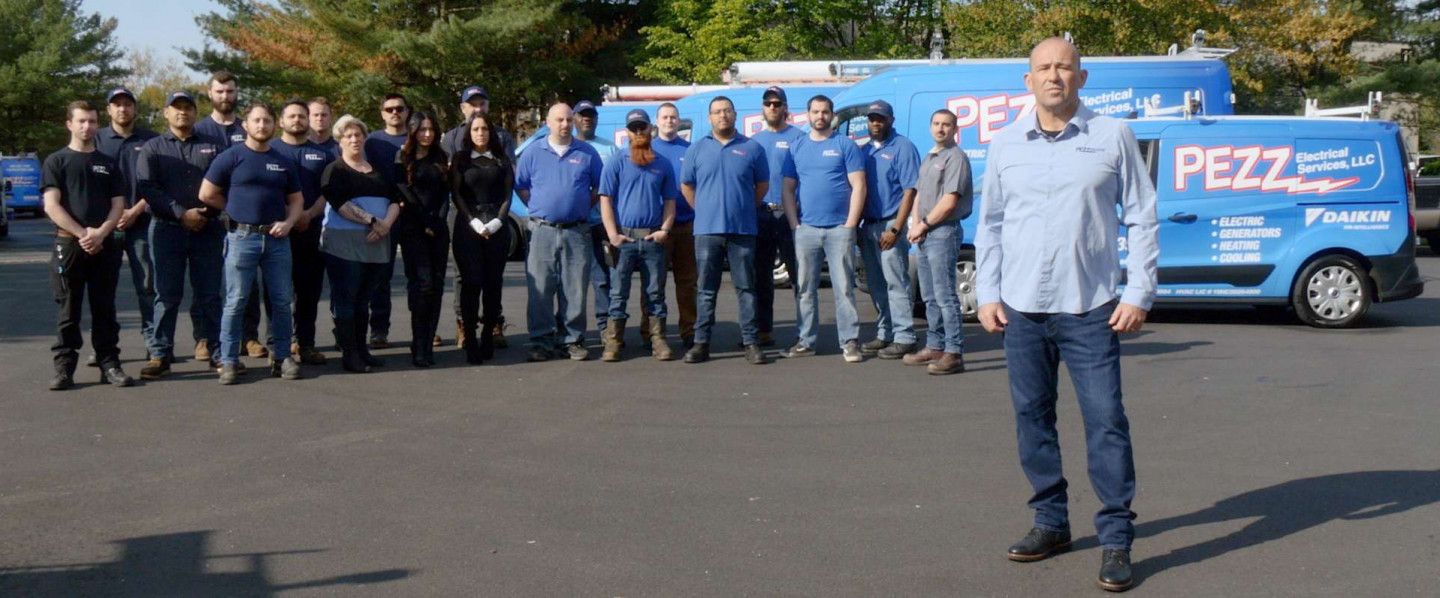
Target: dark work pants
{"x":775,"y":239}
{"x":481,"y":264}
{"x":426,"y":258}
{"x":142,"y":274}
{"x":380,"y":304}
{"x":351,"y":286}
{"x":1035,"y":344}
{"x":74,"y":275}
{"x":307,"y":273}
{"x":600,"y":275}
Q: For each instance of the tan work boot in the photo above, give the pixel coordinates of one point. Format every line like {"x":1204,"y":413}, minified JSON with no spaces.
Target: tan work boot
{"x":202,"y":351}
{"x":307,"y":355}
{"x":459,"y":334}
{"x":614,"y":330}
{"x":255,"y":348}
{"x":659,"y":349}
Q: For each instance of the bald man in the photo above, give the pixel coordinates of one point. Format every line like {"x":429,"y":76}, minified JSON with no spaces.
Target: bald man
{"x":1048,"y":277}
{"x":557,"y":178}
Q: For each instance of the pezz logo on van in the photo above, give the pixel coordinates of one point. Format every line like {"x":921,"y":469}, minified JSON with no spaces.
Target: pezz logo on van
{"x":988,"y":114}
{"x":1249,"y":168}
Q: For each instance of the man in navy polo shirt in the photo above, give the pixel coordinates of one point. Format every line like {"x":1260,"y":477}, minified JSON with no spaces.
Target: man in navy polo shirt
{"x":680,"y":247}
{"x":724,"y":179}
{"x":221,"y":126}
{"x":775,"y":238}
{"x":308,"y":269}
{"x":557,"y":178}
{"x":183,"y":233}
{"x":892,"y":166}
{"x":259,"y":189}
{"x":824,"y":197}
{"x":321,"y":119}
{"x":121,"y":141}
{"x":380,"y":149}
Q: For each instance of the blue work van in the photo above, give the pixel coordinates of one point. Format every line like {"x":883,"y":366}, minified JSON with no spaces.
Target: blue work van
{"x":23,"y":175}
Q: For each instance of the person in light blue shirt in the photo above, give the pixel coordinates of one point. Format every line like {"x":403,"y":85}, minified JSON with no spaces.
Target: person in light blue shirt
{"x":775,"y":238}
{"x":1058,"y":184}
{"x":586,"y":119}
{"x":680,"y":242}
{"x":637,"y":205}
{"x":557,"y":178}
{"x":824,"y":197}
{"x":892,"y":167}
{"x":724,"y":179}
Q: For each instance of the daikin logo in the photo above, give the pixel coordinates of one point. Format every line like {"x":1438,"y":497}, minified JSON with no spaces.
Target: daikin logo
{"x":1346,"y":216}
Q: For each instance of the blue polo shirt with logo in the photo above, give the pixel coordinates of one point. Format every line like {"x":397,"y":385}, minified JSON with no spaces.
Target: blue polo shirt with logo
{"x":312,"y":159}
{"x":561,"y":186}
{"x":821,"y":168}
{"x":724,"y":176}
{"x":222,"y":136}
{"x":639,"y":192}
{"x":890,"y":168}
{"x":674,"y":152}
{"x":777,"y":146}
{"x":255,"y":183}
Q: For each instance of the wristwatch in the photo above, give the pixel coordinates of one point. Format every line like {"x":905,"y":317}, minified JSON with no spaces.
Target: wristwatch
{"x":892,"y":230}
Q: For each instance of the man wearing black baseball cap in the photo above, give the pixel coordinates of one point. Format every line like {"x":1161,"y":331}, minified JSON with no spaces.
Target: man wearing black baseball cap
{"x":775,"y":238}
{"x":587,"y":117}
{"x":184,"y":233}
{"x":121,"y":141}
{"x":892,"y":167}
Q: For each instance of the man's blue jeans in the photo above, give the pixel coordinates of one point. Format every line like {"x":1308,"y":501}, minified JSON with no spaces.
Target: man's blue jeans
{"x":935,"y":270}
{"x":649,"y":258}
{"x":775,"y":239}
{"x":245,"y":252}
{"x":833,"y":245}
{"x":888,"y":275}
{"x":1035,"y":344}
{"x":711,"y":252}
{"x":175,"y":250}
{"x":142,"y":275}
{"x":557,"y":272}
{"x":599,"y":275}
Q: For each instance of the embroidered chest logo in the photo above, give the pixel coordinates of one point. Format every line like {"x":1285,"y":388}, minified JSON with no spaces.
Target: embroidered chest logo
{"x":830,"y":153}
{"x":99,"y":169}
{"x":1089,"y":150}
{"x":782,"y":145}
{"x":573,"y":160}
{"x":274,"y":168}
{"x":739,"y":152}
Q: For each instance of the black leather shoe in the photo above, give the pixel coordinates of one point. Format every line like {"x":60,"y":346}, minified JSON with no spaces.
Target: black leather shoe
{"x":1038,"y":545}
{"x":1115,"y":570}
{"x":62,"y":381}
{"x":118,"y":378}
{"x":755,"y":355}
{"x":699,"y":352}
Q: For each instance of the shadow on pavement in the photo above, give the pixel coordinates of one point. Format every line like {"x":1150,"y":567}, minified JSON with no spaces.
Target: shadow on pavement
{"x":171,"y":565}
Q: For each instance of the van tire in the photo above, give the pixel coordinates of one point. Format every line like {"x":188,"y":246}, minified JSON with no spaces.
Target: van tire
{"x":1333,"y":291}
{"x":965,"y":271}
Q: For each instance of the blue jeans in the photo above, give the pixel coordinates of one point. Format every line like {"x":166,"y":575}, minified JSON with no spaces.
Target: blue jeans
{"x":888,"y":274}
{"x":649,"y":258}
{"x":775,"y":239}
{"x":710,"y":254}
{"x":1035,"y":344}
{"x":245,"y":252}
{"x":557,"y":272}
{"x":599,"y":275}
{"x":935,"y":269}
{"x":142,"y":274}
{"x":175,"y":249}
{"x":832,"y":245}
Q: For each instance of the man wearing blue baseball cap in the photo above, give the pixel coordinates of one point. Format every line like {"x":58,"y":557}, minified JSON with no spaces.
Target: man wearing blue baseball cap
{"x":775,"y":238}
{"x":121,"y":141}
{"x":184,"y":234}
{"x":892,"y":167}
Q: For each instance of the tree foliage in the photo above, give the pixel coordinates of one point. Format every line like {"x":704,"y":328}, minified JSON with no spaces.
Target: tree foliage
{"x":51,"y":54}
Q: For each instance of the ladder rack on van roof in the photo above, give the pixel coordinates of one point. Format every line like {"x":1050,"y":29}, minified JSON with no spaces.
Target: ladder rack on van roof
{"x":1369,"y":110}
{"x":1192,"y":104}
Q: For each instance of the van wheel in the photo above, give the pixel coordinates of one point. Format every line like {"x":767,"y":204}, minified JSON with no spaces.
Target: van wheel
{"x":965,"y":286}
{"x":1331,"y":292}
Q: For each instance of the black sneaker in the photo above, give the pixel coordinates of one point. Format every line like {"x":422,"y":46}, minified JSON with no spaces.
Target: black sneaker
{"x":1115,"y":575}
{"x":896,"y":351}
{"x":755,"y":355}
{"x":538,"y":354}
{"x":117,"y":377}
{"x":289,"y":369}
{"x":1039,"y":544}
{"x":872,"y":348}
{"x":698,"y":353}
{"x":798,"y":350}
{"x":62,"y":381}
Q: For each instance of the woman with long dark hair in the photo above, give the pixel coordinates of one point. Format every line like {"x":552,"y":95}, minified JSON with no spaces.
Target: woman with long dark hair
{"x":481,"y":180}
{"x":424,"y":240}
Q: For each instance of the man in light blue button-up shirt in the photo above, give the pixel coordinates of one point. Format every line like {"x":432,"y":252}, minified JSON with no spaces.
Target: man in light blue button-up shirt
{"x":1058,"y":183}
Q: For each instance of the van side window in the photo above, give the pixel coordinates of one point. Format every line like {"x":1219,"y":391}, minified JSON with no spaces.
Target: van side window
{"x":852,"y":122}
{"x":1151,"y":150}
{"x":685,"y":128}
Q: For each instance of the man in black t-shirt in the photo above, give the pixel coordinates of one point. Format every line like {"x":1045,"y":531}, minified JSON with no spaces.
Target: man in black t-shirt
{"x":84,"y":194}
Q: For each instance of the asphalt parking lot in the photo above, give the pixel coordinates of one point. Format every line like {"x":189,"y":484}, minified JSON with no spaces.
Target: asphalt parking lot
{"x":1273,"y":459}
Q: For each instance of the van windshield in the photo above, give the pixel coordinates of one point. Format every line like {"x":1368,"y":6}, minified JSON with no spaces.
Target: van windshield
{"x":852,"y":122}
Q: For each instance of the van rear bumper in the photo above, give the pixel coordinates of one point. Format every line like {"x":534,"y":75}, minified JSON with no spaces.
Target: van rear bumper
{"x":1397,"y":276}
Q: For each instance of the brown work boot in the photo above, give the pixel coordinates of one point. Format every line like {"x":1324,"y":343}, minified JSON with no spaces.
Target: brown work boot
{"x":500,"y":342}
{"x":459,"y":334}
{"x":255,"y":348}
{"x":659,"y":349}
{"x":614,"y":330}
{"x":202,"y":351}
{"x":922,"y":357}
{"x":155,"y":369}
{"x":307,"y":355}
{"x":949,"y":363}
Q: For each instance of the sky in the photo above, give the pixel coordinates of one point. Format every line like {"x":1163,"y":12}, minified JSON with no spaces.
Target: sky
{"x":163,"y":25}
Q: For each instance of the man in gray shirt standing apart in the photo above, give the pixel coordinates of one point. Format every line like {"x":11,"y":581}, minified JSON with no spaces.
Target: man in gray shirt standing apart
{"x":1048,"y":272}
{"x":944,"y":195}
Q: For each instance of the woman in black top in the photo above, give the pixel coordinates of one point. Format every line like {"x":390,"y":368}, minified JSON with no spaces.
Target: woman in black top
{"x":423,"y":237}
{"x":481,"y":180}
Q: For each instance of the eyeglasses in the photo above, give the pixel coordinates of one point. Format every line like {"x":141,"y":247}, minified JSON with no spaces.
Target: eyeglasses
{"x":395,"y":109}
{"x":774,"y":104}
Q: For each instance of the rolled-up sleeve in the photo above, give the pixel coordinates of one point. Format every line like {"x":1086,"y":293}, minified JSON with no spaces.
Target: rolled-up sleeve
{"x":988,"y":254}
{"x":1138,"y":213}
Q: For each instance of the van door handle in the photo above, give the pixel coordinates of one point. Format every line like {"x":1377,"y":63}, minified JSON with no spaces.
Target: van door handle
{"x":1183,"y":218}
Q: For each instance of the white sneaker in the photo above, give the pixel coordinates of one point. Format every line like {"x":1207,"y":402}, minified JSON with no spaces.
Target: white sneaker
{"x":852,"y":352}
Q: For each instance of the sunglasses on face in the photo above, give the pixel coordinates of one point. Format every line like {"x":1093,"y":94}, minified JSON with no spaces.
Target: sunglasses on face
{"x":773,"y":104}
{"x":395,"y":109}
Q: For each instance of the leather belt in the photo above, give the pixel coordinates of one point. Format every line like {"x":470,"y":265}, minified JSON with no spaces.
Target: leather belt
{"x":559,"y":225}
{"x":241,"y":227}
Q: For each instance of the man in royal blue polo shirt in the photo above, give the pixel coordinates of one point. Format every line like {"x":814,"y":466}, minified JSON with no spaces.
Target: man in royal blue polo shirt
{"x":680,"y":246}
{"x":586,"y":119}
{"x":184,"y":233}
{"x":824,"y":197}
{"x":308,"y":270}
{"x":557,"y":178}
{"x":892,"y":166}
{"x":775,"y":238}
{"x":724,"y":179}
{"x":121,"y":141}
{"x":380,"y":149}
{"x":259,"y":189}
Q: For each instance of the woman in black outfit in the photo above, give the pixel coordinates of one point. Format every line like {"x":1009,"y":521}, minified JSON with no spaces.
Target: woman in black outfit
{"x":481,"y":179}
{"x":421,"y":233}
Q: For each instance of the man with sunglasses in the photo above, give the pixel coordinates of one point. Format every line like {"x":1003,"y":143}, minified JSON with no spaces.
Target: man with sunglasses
{"x":380,"y":150}
{"x":775,"y":237}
